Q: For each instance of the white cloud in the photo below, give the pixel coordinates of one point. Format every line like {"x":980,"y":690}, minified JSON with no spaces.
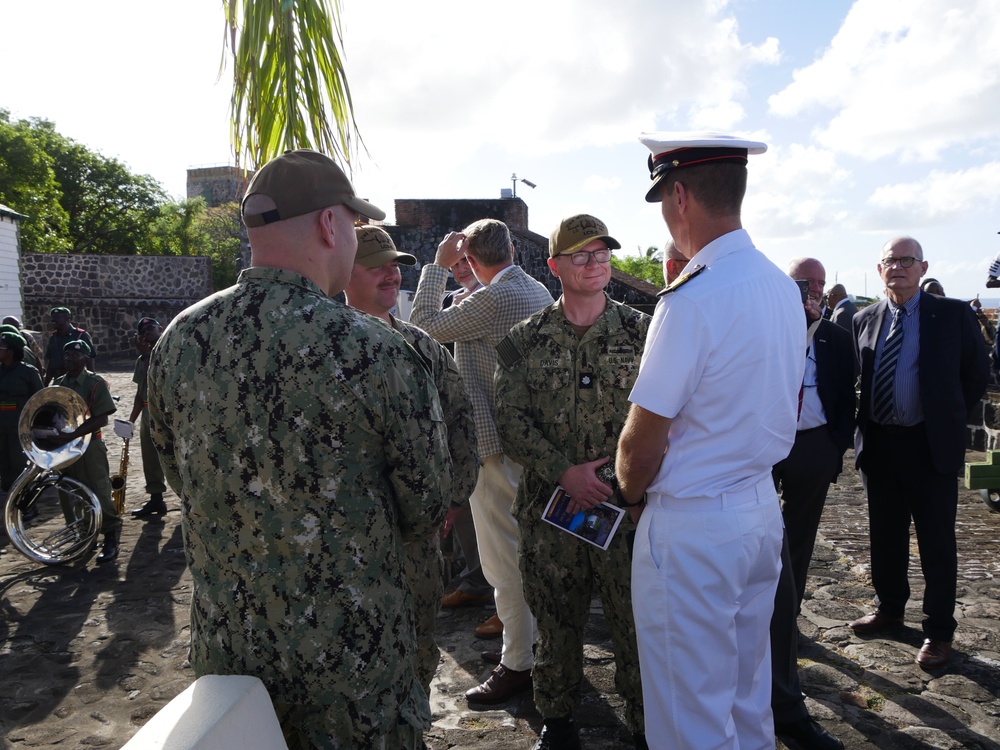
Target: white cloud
{"x":600,"y":184}
{"x":904,"y":78}
{"x":940,"y":197}
{"x":540,"y":78}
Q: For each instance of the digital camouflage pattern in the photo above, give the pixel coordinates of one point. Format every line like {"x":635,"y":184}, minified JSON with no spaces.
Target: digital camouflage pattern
{"x":306,"y":442}
{"x":423,"y":558}
{"x":562,"y":401}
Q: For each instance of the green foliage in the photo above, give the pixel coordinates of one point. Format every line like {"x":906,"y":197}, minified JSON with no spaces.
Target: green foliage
{"x":76,"y":199}
{"x":28,"y":185}
{"x":189,"y":228}
{"x":289,"y":84}
{"x":222,"y":227}
{"x":177,"y":228}
{"x":648,"y":268}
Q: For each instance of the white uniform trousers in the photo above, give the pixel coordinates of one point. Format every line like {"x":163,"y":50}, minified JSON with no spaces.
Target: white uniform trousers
{"x":496,"y":534}
{"x":704,"y":573}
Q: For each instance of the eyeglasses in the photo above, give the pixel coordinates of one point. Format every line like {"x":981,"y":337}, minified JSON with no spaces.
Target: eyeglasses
{"x":906,"y":261}
{"x":583,"y":257}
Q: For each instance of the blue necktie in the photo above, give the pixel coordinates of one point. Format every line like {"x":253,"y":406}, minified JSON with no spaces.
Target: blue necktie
{"x":883,"y":403}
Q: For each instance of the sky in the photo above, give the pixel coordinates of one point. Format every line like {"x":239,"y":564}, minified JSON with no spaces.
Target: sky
{"x":882,"y":116}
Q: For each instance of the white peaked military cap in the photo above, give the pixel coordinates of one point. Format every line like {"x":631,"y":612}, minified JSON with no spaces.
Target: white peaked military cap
{"x":678,"y":150}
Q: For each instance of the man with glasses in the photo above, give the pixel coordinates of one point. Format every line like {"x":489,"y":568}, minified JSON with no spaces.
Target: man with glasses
{"x":923,"y":369}
{"x":477,"y":326}
{"x":562,"y":388}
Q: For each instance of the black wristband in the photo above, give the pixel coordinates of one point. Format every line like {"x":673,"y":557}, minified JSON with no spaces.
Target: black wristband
{"x":640,"y":501}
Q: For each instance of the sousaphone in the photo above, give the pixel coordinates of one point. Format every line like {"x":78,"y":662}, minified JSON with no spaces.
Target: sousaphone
{"x":51,"y":518}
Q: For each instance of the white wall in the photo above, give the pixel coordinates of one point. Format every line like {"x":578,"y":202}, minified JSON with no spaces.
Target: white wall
{"x":10,"y":277}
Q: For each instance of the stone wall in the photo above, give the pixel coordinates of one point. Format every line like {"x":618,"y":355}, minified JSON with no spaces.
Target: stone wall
{"x":422,"y":224}
{"x":984,"y":424}
{"x":108,"y":294}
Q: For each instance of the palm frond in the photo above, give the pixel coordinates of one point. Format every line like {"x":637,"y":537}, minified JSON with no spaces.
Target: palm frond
{"x":289,"y":81}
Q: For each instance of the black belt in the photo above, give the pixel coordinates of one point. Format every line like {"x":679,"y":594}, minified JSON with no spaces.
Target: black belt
{"x":896,"y":429}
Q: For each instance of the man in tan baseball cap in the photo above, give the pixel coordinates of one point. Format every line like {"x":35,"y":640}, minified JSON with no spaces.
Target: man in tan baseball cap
{"x":314,"y":431}
{"x":300,"y":182}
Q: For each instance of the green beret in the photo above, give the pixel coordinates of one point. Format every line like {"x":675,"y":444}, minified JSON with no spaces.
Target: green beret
{"x":64,"y":310}
{"x":13,"y":340}
{"x":79,"y":346}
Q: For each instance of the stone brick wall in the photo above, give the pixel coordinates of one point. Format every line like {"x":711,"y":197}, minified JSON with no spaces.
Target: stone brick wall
{"x":108,"y":294}
{"x":422,"y":224}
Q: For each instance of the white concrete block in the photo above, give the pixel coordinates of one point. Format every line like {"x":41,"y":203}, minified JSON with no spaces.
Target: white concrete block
{"x":217,"y":712}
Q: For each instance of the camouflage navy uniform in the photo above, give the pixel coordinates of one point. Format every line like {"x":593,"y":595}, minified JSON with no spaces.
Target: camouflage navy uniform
{"x":562,"y":401}
{"x":306,"y":442}
{"x":92,"y":467}
{"x":423,"y":558}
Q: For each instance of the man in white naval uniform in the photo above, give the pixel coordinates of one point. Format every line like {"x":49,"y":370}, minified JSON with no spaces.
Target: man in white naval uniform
{"x":713,"y":409}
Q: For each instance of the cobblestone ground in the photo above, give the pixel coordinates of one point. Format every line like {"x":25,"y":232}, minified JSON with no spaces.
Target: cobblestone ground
{"x":88,"y":654}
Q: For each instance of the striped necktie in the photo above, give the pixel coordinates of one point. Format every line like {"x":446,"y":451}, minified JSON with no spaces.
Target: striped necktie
{"x":883,"y":403}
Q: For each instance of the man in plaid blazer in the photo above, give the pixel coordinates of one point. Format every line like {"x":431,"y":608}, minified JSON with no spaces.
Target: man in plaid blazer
{"x":476,"y":326}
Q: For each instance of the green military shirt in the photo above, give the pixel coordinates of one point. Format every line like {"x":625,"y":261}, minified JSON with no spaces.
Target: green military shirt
{"x":306,"y":442}
{"x":562,"y":400}
{"x":18,"y":383}
{"x":139,"y":377}
{"x":92,"y":467}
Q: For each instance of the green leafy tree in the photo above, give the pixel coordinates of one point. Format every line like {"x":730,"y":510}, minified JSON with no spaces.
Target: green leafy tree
{"x":28,"y":185}
{"x":648,"y":268}
{"x":76,"y":199}
{"x":223,"y":227}
{"x":178,"y":229}
{"x":289,"y":83}
{"x":189,"y":228}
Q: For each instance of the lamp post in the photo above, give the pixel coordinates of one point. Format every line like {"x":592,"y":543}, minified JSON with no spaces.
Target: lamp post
{"x":514,"y":181}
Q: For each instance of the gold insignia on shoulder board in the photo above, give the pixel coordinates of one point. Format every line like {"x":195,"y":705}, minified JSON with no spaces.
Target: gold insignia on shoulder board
{"x":683,"y":279}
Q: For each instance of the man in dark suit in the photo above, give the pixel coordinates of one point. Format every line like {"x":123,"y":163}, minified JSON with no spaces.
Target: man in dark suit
{"x":841,"y":307}
{"x":923,"y":369}
{"x":825,"y":427}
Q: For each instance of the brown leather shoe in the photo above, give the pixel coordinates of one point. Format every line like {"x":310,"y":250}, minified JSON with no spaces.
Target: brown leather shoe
{"x":934,"y":654}
{"x":459,"y":598}
{"x":492,"y":628}
{"x":874,"y":622}
{"x":491,"y":657}
{"x":502,"y":685}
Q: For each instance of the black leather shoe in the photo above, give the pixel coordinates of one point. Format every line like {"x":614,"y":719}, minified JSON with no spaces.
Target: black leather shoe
{"x":153,"y":507}
{"x":558,"y":734}
{"x":806,"y":734}
{"x":109,"y":551}
{"x":934,"y":654}
{"x":875,"y":622}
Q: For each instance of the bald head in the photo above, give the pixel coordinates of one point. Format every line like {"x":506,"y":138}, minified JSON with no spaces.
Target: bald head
{"x":902,"y":246}
{"x":835,"y":295}
{"x":319,"y":245}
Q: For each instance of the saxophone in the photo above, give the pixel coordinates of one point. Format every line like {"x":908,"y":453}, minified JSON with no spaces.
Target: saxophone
{"x":123,"y":429}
